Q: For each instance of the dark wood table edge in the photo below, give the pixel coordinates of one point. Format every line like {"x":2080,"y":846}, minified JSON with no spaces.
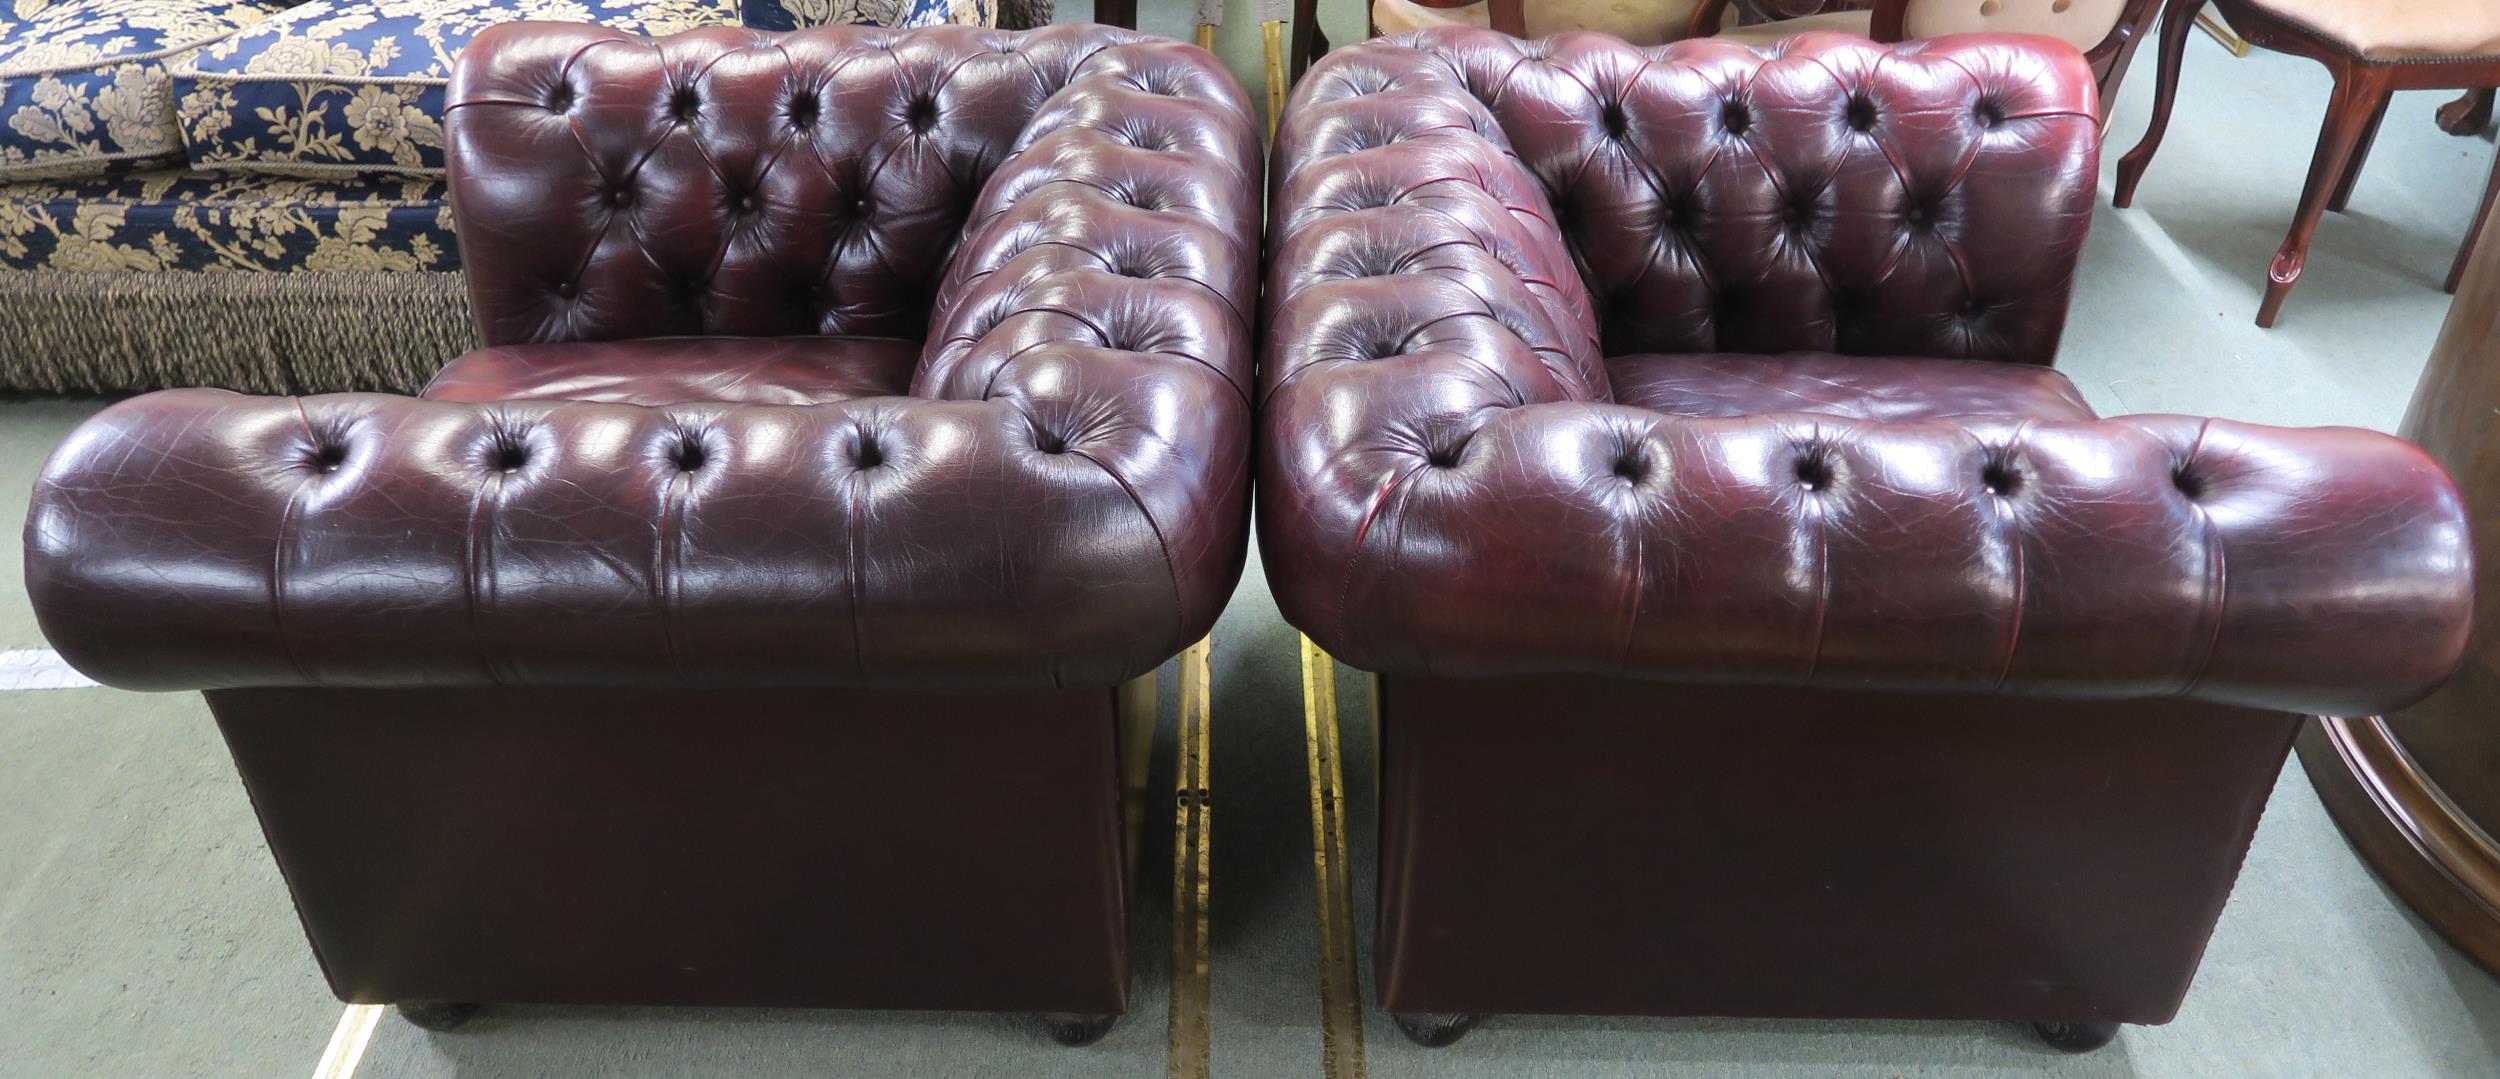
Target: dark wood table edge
{"x":2444,"y":866}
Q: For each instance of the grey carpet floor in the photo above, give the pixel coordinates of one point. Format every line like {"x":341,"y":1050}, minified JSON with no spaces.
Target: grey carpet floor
{"x":144,"y":932}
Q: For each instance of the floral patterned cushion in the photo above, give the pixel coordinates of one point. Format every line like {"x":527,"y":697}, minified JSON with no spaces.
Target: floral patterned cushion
{"x":336,"y":87}
{"x":900,"y":14}
{"x":83,"y":83}
{"x":178,"y":219}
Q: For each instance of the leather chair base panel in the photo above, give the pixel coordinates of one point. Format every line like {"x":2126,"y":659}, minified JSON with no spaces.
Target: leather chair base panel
{"x":1600,"y":846}
{"x":796,"y":848}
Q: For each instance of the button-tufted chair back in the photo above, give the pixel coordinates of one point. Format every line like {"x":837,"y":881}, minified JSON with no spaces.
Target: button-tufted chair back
{"x":731,"y":183}
{"x":1834,"y":196}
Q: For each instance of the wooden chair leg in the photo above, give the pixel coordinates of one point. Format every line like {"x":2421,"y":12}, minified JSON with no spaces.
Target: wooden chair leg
{"x":1306,"y":42}
{"x":2176,"y":21}
{"x":2467,"y":115}
{"x":1508,"y":16}
{"x":2358,"y":93}
{"x":2465,"y":251}
{"x":2360,"y":157}
{"x":1120,"y":13}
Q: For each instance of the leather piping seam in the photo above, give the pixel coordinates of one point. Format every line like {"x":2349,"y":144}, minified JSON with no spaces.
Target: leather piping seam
{"x":1171,"y":567}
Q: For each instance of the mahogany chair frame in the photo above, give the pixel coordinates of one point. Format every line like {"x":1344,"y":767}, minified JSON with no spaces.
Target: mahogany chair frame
{"x":1511,"y":17}
{"x":2353,"y":113}
{"x":2109,"y":58}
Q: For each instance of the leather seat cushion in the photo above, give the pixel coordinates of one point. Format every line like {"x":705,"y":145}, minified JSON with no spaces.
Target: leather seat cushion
{"x":2389,"y":30}
{"x":1852,"y":387}
{"x":680,"y":370}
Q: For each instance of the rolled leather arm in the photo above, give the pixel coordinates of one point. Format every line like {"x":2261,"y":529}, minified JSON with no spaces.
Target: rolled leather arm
{"x":1105,"y":290}
{"x":2322,"y":571}
{"x":199,"y":539}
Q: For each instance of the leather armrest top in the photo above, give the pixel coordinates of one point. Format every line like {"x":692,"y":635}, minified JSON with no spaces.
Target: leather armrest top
{"x":199,"y":539}
{"x":2325,"y":571}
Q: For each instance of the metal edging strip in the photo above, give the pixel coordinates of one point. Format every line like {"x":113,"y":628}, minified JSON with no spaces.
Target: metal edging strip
{"x":1341,"y":1011}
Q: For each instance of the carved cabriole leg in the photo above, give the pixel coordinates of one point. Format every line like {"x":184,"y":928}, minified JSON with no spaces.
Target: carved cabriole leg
{"x":2360,"y":157}
{"x":2359,"y":91}
{"x":2467,"y":115}
{"x":2176,"y":21}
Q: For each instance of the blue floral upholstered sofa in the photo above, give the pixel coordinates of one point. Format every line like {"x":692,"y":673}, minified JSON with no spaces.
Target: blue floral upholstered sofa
{"x":249,"y":193}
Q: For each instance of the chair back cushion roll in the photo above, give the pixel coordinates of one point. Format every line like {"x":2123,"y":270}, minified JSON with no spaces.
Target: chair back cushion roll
{"x":1926,"y":199}
{"x":734,"y":182}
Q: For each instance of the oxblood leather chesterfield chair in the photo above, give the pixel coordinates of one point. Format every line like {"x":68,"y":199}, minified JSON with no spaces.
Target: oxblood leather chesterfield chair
{"x":713,"y":636}
{"x":1762,"y":628}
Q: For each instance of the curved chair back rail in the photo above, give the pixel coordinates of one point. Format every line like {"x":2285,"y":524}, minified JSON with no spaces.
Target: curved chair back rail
{"x":1072,"y":218}
{"x":2108,"y":31}
{"x":1440,"y":443}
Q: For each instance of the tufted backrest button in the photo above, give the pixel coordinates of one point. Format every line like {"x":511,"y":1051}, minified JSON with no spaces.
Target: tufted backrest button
{"x":2000,"y":478}
{"x":1632,"y":465}
{"x":1861,"y":113}
{"x":1735,"y":117}
{"x":688,"y":453}
{"x":1814,"y":468}
{"x":1612,"y":117}
{"x":621,"y":198}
